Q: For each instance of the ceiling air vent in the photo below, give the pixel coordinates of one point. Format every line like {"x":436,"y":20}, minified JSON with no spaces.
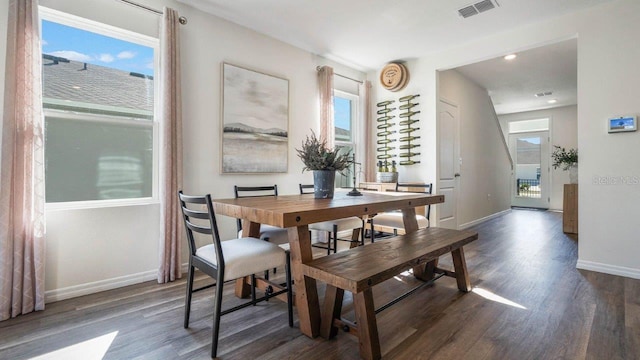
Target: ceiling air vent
{"x":541,"y":94}
{"x":483,"y":6}
{"x":467,"y":11}
{"x":477,"y":8}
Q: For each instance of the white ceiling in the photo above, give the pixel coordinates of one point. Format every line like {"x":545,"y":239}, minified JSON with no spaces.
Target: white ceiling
{"x":366,"y":34}
{"x":512,"y":84}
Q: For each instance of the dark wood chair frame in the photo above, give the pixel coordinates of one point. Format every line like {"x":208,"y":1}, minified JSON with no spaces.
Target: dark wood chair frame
{"x":333,"y":235}
{"x":217,"y":271}
{"x":240,"y":190}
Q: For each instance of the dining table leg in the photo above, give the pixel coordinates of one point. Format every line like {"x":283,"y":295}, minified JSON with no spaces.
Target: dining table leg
{"x":355,"y":238}
{"x":411,"y":226}
{"x":306,"y":291}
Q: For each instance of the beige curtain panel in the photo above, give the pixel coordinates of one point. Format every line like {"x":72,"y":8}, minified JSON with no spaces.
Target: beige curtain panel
{"x":22,"y":223}
{"x":325,"y":87}
{"x":171,"y":159}
{"x":369,"y":160}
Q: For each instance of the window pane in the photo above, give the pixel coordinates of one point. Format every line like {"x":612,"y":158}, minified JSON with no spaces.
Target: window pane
{"x":342,"y":109}
{"x":528,"y":157}
{"x":88,"y":160}
{"x":107,"y":153}
{"x":528,"y":150}
{"x":529,"y":125}
{"x":345,"y":180}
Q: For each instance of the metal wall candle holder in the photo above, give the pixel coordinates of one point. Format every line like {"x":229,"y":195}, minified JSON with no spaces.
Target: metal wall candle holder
{"x":408,"y":138}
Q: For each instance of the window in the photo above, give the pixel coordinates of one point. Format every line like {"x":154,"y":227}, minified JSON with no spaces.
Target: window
{"x":98,"y":98}
{"x":345,"y":107}
{"x":528,"y":125}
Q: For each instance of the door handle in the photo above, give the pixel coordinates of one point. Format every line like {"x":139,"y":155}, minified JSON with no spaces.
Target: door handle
{"x":456,"y":175}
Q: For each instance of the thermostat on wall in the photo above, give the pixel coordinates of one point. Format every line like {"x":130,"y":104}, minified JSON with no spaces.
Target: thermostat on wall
{"x":622,"y":123}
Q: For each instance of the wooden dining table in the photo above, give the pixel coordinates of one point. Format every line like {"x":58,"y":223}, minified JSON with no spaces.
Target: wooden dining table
{"x":296,"y":212}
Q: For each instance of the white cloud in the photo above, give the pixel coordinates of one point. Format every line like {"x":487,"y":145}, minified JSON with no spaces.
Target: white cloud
{"x":44,"y":42}
{"x":107,"y":58}
{"x":72,"y":55}
{"x":126,"y":55}
{"x":149,"y":65}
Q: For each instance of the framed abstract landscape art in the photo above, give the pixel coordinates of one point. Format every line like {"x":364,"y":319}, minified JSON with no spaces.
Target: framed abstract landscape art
{"x":255,"y":121}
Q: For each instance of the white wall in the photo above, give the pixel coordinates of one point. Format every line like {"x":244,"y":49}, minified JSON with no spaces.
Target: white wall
{"x":563,"y":132}
{"x":484,"y":187}
{"x":89,"y":250}
{"x":426,"y":170}
{"x":607,"y":85}
{"x":94,"y":249}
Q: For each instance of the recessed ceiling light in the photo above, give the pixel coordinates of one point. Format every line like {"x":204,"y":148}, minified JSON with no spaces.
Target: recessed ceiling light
{"x":552,"y":101}
{"x":76,"y":87}
{"x":510,"y":57}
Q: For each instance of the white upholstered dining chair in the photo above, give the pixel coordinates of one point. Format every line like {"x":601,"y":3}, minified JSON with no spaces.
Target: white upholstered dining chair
{"x":393,"y":220}
{"x":334,"y":226}
{"x":227,"y":260}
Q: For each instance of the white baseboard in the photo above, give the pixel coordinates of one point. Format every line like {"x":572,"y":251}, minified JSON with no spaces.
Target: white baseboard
{"x":608,"y":269}
{"x":481,"y":220}
{"x":102,"y":285}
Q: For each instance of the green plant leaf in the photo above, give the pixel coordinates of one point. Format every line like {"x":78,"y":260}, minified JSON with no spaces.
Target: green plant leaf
{"x":316,"y":156}
{"x":563,"y":158}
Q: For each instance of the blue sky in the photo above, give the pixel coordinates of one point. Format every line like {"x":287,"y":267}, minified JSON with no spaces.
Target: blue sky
{"x":532,"y":140}
{"x":84,"y":46}
{"x":342,"y":113}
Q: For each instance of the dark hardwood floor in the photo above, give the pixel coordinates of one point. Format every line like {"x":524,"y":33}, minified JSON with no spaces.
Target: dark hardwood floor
{"x":528,"y":302}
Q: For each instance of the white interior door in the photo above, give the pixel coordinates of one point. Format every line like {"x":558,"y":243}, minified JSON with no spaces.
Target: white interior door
{"x":448,"y":163}
{"x":530,"y":153}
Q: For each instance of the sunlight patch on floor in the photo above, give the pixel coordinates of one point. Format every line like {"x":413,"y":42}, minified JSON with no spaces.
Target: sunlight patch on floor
{"x":497,"y":298}
{"x":91,"y":349}
{"x":404,"y":274}
{"x":478,"y":291}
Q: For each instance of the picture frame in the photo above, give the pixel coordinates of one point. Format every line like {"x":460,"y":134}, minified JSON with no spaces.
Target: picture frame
{"x":255,"y":122}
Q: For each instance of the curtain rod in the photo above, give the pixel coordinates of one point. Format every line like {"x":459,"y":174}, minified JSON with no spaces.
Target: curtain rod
{"x":342,"y":76}
{"x":181,"y":19}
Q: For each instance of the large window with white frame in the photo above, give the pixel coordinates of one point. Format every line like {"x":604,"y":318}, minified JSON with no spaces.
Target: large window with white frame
{"x":345,"y":108}
{"x":99,"y":96}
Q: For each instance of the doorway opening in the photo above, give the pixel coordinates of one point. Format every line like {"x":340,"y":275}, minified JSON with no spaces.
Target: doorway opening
{"x":540,"y":83}
{"x":529,"y":148}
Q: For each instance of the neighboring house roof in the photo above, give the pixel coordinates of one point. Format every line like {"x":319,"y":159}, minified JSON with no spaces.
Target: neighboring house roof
{"x":528,"y":153}
{"x":78,"y":86}
{"x":343,"y":134}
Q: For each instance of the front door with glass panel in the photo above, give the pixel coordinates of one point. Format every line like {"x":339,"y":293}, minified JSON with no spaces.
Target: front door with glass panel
{"x":530,"y":152}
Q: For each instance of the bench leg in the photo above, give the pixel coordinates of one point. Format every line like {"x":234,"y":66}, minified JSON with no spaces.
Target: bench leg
{"x":332,"y":310}
{"x":426,"y":272}
{"x":367,"y":327}
{"x":460,"y":267}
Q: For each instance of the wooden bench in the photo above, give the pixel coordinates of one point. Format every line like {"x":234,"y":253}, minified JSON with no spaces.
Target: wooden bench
{"x":359,"y":269}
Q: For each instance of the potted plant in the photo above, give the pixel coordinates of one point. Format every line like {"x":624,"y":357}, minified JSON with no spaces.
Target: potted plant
{"x":324,"y":163}
{"x":567,"y":160}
